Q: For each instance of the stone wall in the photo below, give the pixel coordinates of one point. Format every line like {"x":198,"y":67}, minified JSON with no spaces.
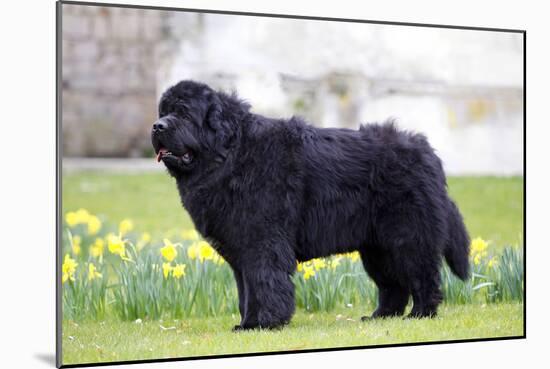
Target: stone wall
{"x":111,"y":58}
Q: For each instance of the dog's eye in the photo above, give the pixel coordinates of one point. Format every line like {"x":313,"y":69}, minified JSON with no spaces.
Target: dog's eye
{"x":187,"y":157}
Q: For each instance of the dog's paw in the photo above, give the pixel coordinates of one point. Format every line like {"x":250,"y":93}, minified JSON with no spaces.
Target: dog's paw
{"x":240,"y":328}
{"x":269,"y":327}
{"x":421,"y":315}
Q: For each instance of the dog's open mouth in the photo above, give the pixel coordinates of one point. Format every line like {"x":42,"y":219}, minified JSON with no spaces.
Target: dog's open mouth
{"x":162,"y":153}
{"x":166,"y":155}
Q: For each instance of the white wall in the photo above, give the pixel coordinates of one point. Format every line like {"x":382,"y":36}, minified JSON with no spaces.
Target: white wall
{"x":461,"y":88}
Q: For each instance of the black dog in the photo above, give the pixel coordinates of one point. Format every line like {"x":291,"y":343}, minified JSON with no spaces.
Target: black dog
{"x":267,"y":192}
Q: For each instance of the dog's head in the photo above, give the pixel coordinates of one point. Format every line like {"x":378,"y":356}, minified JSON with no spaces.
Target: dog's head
{"x":196,"y":129}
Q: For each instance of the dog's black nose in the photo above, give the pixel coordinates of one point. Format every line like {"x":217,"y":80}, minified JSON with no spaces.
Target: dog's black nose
{"x":159,"y":126}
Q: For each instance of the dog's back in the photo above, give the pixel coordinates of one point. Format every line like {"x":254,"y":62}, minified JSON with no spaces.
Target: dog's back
{"x":355,"y":179}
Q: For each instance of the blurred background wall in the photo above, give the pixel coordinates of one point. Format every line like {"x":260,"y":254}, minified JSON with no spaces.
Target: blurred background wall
{"x":463,"y":89}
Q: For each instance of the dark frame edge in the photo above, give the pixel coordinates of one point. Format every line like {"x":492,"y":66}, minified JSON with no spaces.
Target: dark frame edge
{"x":303,"y":17}
{"x":525,"y":184}
{"x":58,"y":210}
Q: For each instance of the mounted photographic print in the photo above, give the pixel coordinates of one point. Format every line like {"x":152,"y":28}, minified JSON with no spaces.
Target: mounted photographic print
{"x":238,"y":184}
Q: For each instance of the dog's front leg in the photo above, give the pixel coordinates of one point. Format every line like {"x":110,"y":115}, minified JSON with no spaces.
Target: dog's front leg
{"x":268,"y":293}
{"x":242,"y":296}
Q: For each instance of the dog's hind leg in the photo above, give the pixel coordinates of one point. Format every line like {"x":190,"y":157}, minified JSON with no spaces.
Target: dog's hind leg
{"x":425,"y":287}
{"x":392,"y":296}
{"x":411,"y":240}
{"x":417,"y":265}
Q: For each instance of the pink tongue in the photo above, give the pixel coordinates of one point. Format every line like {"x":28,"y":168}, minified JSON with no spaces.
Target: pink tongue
{"x":159,"y":155}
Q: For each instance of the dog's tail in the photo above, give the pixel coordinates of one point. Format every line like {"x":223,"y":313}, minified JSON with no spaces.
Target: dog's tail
{"x":457,"y":248}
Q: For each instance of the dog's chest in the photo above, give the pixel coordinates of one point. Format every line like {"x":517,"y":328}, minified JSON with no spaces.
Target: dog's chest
{"x":211,"y":213}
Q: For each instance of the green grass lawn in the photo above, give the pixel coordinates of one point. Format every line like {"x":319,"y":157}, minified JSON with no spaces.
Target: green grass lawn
{"x":151,"y":200}
{"x":115,"y":340}
{"x":492,"y":207}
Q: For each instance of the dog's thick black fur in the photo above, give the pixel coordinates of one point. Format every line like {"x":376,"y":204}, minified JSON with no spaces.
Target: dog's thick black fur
{"x":268,"y":192}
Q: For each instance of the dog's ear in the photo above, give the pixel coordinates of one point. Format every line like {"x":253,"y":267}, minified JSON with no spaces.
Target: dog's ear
{"x":221,"y":124}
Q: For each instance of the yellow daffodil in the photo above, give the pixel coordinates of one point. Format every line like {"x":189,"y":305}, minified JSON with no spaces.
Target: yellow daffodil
{"x":478,"y":246}
{"x":94,"y":225}
{"x":75,"y":245}
{"x":169,"y":251}
{"x":145,"y":237}
{"x":299,"y":266}
{"x":353,"y":256}
{"x":203,"y":251}
{"x":193,"y":251}
{"x":178,"y":271}
{"x":218,"y":259}
{"x":68,"y":268}
{"x":478,"y":249}
{"x":93,"y":273}
{"x":335,"y":262}
{"x":71,"y":219}
{"x":477,"y":259}
{"x":492,"y":263}
{"x":319,"y":263}
{"x":96,"y":250}
{"x":190,"y":235}
{"x":81,"y":216}
{"x":166,"y":269}
{"x":125,"y":226}
{"x":308,"y":271}
{"x":206,"y":252}
{"x":116,"y":245}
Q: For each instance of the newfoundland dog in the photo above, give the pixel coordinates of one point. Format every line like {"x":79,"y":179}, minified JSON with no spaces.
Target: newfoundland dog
{"x":270,"y":192}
